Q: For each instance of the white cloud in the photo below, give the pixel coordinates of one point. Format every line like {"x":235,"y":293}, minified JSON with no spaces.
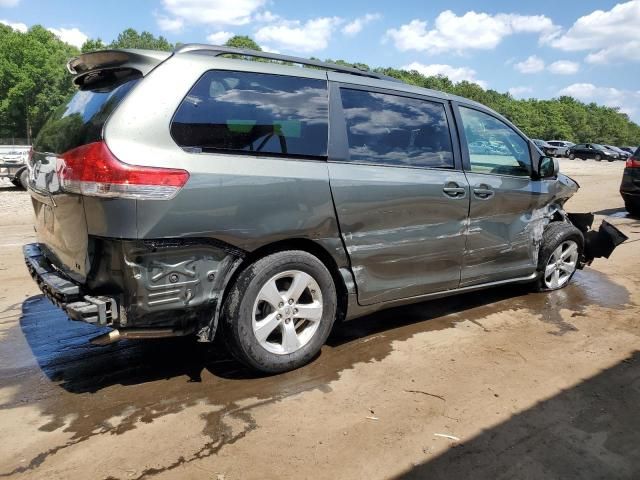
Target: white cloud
{"x":520,"y":91}
{"x":610,"y":35}
{"x":629,"y":51}
{"x":18,"y":26}
{"x":564,"y":67}
{"x":627,"y":100}
{"x":213,"y":12}
{"x":9,"y":3}
{"x":455,"y":74}
{"x":266,"y":48}
{"x":266,"y":17}
{"x":533,"y":64}
{"x":219,"y":38}
{"x":479,"y":31}
{"x":72,"y":36}
{"x":170,"y":24}
{"x":356,"y":26}
{"x":310,"y":36}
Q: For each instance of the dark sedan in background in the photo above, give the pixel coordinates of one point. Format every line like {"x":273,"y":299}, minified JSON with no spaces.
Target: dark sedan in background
{"x":595,"y":151}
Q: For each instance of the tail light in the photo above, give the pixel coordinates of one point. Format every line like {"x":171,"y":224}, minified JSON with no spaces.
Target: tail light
{"x":633,"y":162}
{"x":93,"y":170}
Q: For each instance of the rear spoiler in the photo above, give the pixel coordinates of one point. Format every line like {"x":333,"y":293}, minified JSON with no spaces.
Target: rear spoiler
{"x":142,"y":61}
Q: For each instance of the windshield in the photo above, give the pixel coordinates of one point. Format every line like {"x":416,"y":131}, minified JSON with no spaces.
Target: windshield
{"x":80,"y":120}
{"x":597,"y":146}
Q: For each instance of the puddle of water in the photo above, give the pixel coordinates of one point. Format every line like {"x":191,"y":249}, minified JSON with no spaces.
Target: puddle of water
{"x":149,"y":379}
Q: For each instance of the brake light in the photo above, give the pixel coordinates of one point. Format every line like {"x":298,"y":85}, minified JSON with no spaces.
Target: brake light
{"x":93,"y":170}
{"x":633,"y":162}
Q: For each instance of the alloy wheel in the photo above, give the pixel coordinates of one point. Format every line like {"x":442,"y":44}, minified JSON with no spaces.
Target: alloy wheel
{"x":287,"y":312}
{"x":561,"y":265}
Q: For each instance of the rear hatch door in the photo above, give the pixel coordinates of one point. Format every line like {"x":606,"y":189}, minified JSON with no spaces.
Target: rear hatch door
{"x":60,"y":216}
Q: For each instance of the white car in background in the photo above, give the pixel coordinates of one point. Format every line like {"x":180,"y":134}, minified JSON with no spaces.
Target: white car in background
{"x":13,"y":163}
{"x":563,"y":147}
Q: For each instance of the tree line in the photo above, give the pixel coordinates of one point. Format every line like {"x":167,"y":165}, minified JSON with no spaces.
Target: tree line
{"x":34,"y":81}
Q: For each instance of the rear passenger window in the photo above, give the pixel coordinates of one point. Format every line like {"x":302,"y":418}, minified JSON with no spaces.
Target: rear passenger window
{"x":254,"y":113}
{"x":392,"y":130}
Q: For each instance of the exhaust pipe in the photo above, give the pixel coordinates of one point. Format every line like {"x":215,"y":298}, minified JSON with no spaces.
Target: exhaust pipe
{"x":115,"y":335}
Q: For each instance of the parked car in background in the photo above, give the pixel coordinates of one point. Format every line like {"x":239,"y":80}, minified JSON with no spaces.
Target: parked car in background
{"x":226,"y":207}
{"x":630,"y":150}
{"x":593,"y":151}
{"x":562,"y":147}
{"x":630,"y":186}
{"x":13,"y":163}
{"x":547,"y":148}
{"x":622,"y":155}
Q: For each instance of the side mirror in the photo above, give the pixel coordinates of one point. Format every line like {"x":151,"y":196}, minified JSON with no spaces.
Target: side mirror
{"x":548,"y":167}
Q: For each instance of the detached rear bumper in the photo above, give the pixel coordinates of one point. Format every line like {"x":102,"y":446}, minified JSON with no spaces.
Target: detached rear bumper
{"x":65,"y":293}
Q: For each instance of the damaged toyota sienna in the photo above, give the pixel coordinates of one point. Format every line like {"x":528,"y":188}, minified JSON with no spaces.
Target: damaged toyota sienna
{"x":199,"y":193}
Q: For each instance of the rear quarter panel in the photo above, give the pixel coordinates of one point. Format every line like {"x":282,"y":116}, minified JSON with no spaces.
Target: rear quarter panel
{"x":246,"y":201}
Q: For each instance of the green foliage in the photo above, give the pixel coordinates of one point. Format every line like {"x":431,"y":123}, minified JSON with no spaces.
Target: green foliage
{"x":132,"y":39}
{"x":243,"y":41}
{"x":129,"y":38}
{"x":33,"y":79}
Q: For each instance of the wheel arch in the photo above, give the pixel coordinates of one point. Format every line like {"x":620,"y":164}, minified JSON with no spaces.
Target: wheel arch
{"x":306,"y":245}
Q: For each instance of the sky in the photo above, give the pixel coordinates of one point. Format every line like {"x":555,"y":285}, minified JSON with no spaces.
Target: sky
{"x":542,"y":49}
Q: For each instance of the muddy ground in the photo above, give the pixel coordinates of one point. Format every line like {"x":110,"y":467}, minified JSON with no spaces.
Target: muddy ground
{"x":497,"y":384}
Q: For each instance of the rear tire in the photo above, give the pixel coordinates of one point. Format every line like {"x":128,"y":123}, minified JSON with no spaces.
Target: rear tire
{"x":633,"y":209}
{"x":280,"y":311}
{"x":559,"y":256}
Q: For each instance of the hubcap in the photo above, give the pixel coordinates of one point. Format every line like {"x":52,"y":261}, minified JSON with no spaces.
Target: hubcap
{"x":561,"y":264}
{"x":287,"y":312}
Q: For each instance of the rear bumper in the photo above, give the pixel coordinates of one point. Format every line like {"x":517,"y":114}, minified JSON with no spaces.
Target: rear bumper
{"x":170,"y":284}
{"x":65,"y":293}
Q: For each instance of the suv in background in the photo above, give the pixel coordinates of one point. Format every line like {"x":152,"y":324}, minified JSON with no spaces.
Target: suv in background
{"x":562,"y":147}
{"x":547,"y":148}
{"x":13,"y":163}
{"x":199,"y":191}
{"x":595,"y":151}
{"x":630,"y":186}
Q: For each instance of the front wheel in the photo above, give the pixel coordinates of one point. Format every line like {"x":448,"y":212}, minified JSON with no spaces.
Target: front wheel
{"x":280,"y":311}
{"x":559,"y":255}
{"x":598,"y":158}
{"x":572,"y":156}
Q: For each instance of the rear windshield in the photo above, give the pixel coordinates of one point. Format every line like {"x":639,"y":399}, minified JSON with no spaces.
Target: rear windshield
{"x":80,"y":120}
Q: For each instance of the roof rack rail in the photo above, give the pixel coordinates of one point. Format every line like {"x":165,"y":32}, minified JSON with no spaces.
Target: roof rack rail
{"x":218,"y":50}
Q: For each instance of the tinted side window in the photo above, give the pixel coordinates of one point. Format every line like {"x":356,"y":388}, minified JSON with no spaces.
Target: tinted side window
{"x":254,"y":113}
{"x":393,"y":130}
{"x":494,"y":147}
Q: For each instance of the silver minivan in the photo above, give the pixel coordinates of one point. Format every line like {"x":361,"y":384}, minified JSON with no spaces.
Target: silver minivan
{"x":196,"y":192}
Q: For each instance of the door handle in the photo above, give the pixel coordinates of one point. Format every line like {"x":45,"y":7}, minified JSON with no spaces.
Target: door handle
{"x":452,"y":189}
{"x":483,"y":192}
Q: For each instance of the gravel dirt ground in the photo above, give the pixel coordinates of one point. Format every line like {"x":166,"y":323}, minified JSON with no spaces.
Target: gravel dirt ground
{"x":502,"y":383}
